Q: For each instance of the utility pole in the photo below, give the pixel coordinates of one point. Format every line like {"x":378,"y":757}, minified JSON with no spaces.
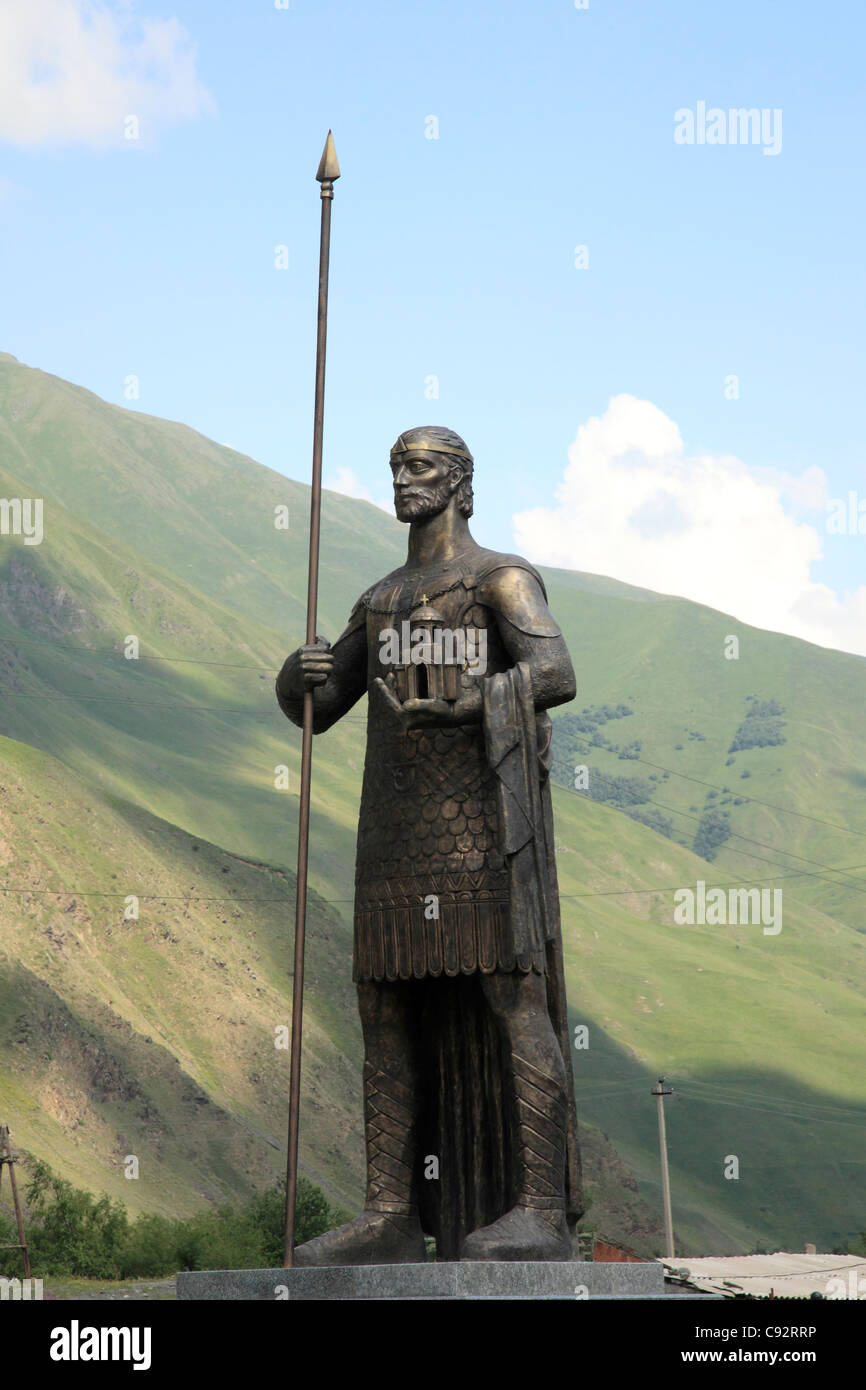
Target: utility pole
{"x":7,"y":1157}
{"x":660,"y":1091}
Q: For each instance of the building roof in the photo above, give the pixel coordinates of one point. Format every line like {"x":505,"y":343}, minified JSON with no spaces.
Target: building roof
{"x":783,"y":1274}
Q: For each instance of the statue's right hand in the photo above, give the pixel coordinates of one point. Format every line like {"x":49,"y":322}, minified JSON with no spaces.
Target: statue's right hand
{"x":316,"y":662}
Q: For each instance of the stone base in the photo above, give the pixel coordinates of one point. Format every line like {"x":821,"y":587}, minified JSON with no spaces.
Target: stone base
{"x":469,"y":1279}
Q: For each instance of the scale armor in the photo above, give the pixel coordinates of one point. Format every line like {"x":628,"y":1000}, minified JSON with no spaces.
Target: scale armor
{"x":431,"y":887}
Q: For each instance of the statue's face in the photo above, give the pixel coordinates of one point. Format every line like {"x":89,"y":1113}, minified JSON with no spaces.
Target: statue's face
{"x":424,"y":483}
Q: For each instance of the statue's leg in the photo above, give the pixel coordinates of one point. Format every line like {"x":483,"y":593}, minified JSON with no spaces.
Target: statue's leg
{"x":535,"y":1228}
{"x":388,"y":1230}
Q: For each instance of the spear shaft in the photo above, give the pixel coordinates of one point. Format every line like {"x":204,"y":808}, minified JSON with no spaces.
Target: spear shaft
{"x":327,"y":173}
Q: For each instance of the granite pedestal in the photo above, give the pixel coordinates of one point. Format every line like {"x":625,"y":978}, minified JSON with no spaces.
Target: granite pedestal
{"x":467,"y":1280}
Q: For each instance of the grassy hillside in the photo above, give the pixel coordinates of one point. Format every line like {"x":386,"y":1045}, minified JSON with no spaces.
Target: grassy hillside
{"x":121,"y":767}
{"x":798,"y":804}
{"x":762,"y":1037}
{"x":198,"y":509}
{"x":155,"y":1035}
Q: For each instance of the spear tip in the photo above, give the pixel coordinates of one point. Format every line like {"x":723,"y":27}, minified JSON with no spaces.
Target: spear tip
{"x":328,"y":169}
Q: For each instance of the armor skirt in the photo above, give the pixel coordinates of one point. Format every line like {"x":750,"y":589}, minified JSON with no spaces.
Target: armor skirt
{"x":432,"y":890}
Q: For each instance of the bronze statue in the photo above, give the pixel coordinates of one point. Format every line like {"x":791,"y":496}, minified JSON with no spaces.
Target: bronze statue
{"x":470,"y":1123}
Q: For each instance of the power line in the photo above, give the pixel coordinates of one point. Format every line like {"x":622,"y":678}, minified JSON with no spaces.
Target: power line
{"x":779,"y":1105}
{"x":773,"y":878}
{"x":103,"y":677}
{"x":624,"y":1086}
{"x":109,"y":651}
{"x":828,"y":868}
{"x":155,"y":897}
{"x":124,"y":700}
{"x":335,"y":902}
{"x":786,"y":810}
{"x":608,"y":1095}
{"x":220,"y":710}
{"x":239,"y":666}
{"x":763,"y":1095}
{"x":773,"y":1109}
{"x":252,"y":714}
{"x":747,"y":838}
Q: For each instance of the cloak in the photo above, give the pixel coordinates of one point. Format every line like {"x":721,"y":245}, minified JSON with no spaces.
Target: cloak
{"x":466,"y":1121}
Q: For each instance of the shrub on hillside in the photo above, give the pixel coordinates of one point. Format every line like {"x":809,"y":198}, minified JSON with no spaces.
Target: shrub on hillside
{"x":654,"y":819}
{"x":713,"y":829}
{"x":762,"y":726}
{"x":72,"y":1233}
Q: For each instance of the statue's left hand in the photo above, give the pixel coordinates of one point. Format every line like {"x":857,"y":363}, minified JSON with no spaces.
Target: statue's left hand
{"x":414,"y":714}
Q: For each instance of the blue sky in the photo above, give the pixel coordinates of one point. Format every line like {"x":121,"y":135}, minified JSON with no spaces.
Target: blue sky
{"x":454,"y":258}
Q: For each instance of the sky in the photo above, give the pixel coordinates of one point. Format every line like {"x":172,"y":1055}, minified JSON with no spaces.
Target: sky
{"x":551,"y":234}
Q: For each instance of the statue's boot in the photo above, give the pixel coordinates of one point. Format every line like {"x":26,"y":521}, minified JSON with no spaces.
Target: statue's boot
{"x":373,"y":1238}
{"x":388,"y":1231}
{"x":536,"y":1227}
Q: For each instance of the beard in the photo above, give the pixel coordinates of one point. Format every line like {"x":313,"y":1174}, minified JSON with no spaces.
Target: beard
{"x":417,"y":503}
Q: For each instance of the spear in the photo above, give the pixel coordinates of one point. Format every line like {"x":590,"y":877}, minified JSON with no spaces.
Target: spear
{"x":326,"y":175}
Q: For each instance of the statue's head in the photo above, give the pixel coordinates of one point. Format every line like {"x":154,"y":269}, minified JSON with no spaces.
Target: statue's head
{"x":432,"y":470}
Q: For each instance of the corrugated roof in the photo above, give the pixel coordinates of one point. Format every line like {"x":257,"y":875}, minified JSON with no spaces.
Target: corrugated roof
{"x":786,"y":1275}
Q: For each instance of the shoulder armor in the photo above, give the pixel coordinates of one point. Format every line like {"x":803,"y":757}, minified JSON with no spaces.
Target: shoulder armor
{"x":505,"y":583}
{"x":492,"y":560}
{"x":358,"y":615}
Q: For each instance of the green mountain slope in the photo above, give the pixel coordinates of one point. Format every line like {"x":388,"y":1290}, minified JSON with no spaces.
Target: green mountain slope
{"x":761,"y":1035}
{"x":198,"y":509}
{"x":802,"y":801}
{"x":154,"y":531}
{"x":155,"y":1035}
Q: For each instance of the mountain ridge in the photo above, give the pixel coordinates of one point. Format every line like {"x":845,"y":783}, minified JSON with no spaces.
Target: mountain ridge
{"x":190,"y":736}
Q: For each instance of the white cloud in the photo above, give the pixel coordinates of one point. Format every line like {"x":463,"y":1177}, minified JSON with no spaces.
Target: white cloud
{"x":73,"y":71}
{"x":346,"y":481}
{"x":633,"y":505}
{"x":808,"y":492}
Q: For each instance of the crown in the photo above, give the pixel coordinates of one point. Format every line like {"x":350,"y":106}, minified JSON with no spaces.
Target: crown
{"x":423,"y":445}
